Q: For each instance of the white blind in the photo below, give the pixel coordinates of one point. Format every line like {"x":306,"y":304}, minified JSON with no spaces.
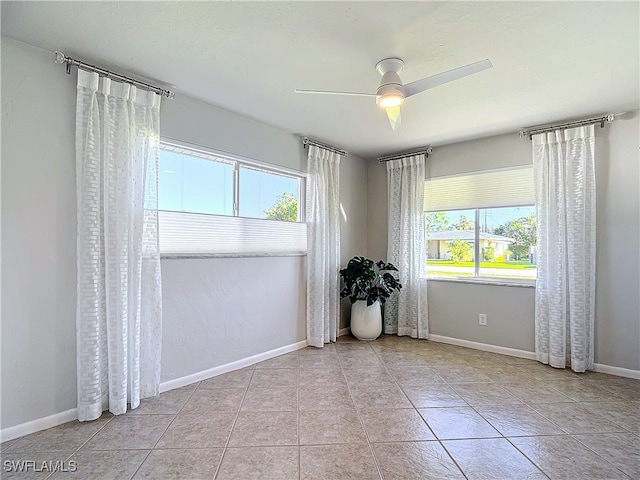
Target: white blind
{"x":497,"y":188}
{"x":193,"y":234}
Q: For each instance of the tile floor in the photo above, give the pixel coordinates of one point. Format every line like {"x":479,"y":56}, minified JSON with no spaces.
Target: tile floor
{"x":395,"y":408}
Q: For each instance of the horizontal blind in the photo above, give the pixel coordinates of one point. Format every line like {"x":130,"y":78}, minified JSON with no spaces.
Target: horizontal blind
{"x":193,"y":234}
{"x":497,"y":188}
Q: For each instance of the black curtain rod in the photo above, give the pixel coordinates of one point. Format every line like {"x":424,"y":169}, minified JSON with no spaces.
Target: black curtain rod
{"x":72,"y":62}
{"x":531,"y":131}
{"x":308,"y":141}
{"x":426,"y":150}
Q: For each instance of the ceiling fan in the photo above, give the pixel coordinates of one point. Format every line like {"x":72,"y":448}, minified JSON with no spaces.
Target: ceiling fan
{"x":391,"y":92}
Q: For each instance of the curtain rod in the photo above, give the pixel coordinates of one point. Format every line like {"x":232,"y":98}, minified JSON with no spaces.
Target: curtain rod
{"x":531,"y":131}
{"x":72,"y":62}
{"x":426,"y":150}
{"x":308,"y":141}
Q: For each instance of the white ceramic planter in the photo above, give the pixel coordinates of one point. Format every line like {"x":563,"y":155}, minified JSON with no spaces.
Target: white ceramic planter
{"x":366,"y":321}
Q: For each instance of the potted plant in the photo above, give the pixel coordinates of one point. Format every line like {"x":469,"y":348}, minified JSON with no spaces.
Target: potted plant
{"x":367,"y":285}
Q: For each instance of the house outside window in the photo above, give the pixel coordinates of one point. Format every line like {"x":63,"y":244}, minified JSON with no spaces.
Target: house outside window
{"x":495,"y":210}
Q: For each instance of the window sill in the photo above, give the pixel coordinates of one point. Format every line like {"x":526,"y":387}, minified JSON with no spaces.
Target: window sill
{"x":501,"y":282}
{"x":181,"y":256}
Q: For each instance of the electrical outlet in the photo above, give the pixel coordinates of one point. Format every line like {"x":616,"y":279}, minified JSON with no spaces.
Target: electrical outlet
{"x":482,"y":319}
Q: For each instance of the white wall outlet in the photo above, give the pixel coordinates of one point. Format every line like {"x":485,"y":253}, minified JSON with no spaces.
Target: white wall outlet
{"x":482,"y":319}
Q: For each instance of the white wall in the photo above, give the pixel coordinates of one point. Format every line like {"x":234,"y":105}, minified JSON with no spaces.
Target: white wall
{"x":216,"y":310}
{"x":454,"y":308}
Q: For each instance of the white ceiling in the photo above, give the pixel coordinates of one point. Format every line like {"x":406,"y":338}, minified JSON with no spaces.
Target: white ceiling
{"x":552,"y":60}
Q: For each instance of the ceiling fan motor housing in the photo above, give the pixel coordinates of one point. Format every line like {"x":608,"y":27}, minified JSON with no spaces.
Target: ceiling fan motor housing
{"x":390,"y":84}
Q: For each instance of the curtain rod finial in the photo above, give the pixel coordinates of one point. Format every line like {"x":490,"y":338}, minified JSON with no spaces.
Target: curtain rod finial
{"x":60,"y":57}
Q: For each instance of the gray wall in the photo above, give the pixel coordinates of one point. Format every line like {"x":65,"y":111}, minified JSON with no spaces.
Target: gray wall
{"x":216,"y":310}
{"x":454,"y":307}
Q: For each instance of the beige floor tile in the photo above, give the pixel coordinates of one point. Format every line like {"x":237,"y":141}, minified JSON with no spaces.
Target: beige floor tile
{"x":415,"y":460}
{"x":356,"y":359}
{"x":66,"y":437}
{"x":410,"y":375}
{"x":324,"y":361}
{"x":501,"y":372}
{"x":585,"y":392}
{"x":33,"y":466}
{"x":346,"y":462}
{"x":254,"y":429}
{"x":435,"y":395}
{"x":625,"y":414}
{"x":379,"y":396}
{"x":198,"y":431}
{"x":316,"y":376}
{"x":518,"y":420}
{"x":620,"y":449}
{"x":461,"y":374}
{"x":236,"y":379}
{"x":540,"y":372}
{"x":325,"y":397}
{"x":397,"y":425}
{"x":275,"y":377}
{"x":168,"y":403}
{"x":214,"y":400}
{"x":330,"y":427}
{"x":259,"y":463}
{"x":491,"y":458}
{"x":623,"y":392}
{"x":288,"y":360}
{"x":113,"y":465}
{"x":130,"y":432}
{"x":535,"y":392}
{"x":484,"y":394}
{"x":457,"y":423}
{"x":181,"y":464}
{"x":574,"y":418}
{"x":276,"y":399}
{"x":565,"y":458}
{"x":397,"y":359}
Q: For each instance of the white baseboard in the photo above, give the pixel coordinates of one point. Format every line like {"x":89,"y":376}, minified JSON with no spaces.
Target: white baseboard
{"x":344,"y":331}
{"x":229,"y":367}
{"x":26,"y":428}
{"x":513,"y":352}
{"x":33,"y":426}
{"x":619,"y":371}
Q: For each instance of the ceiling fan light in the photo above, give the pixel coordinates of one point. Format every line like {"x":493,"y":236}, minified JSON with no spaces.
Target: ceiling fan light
{"x":390,"y":100}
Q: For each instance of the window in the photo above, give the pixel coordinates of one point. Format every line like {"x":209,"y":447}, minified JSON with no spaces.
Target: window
{"x":217,"y":204}
{"x":481,"y":225}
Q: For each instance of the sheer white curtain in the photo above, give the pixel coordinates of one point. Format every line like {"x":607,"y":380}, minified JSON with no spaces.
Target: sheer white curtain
{"x":406,"y":312}
{"x":118,"y":314}
{"x":323,"y":239}
{"x":564,"y":175}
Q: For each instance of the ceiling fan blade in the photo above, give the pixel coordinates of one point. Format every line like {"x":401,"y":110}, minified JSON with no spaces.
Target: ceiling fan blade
{"x":323,"y":92}
{"x":393,"y":113}
{"x":444,"y":77}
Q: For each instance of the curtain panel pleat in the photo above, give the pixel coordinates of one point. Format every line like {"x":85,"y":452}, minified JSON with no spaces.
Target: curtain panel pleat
{"x":405,"y":312}
{"x":323,"y":243}
{"x":119,"y":306}
{"x":564,"y":176}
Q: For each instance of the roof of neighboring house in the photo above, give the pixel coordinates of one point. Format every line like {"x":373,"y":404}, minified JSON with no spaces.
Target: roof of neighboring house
{"x":468,"y":235}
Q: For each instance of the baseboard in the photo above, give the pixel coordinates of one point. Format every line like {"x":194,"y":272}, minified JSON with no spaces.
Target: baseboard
{"x":344,"y":331}
{"x":229,"y":367}
{"x":619,"y":371}
{"x":26,"y":428}
{"x":33,"y":426}
{"x":486,"y":347}
{"x":598,"y":367}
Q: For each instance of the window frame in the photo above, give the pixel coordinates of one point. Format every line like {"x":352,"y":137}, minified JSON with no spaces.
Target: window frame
{"x":283,"y":238}
{"x":239,"y":161}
